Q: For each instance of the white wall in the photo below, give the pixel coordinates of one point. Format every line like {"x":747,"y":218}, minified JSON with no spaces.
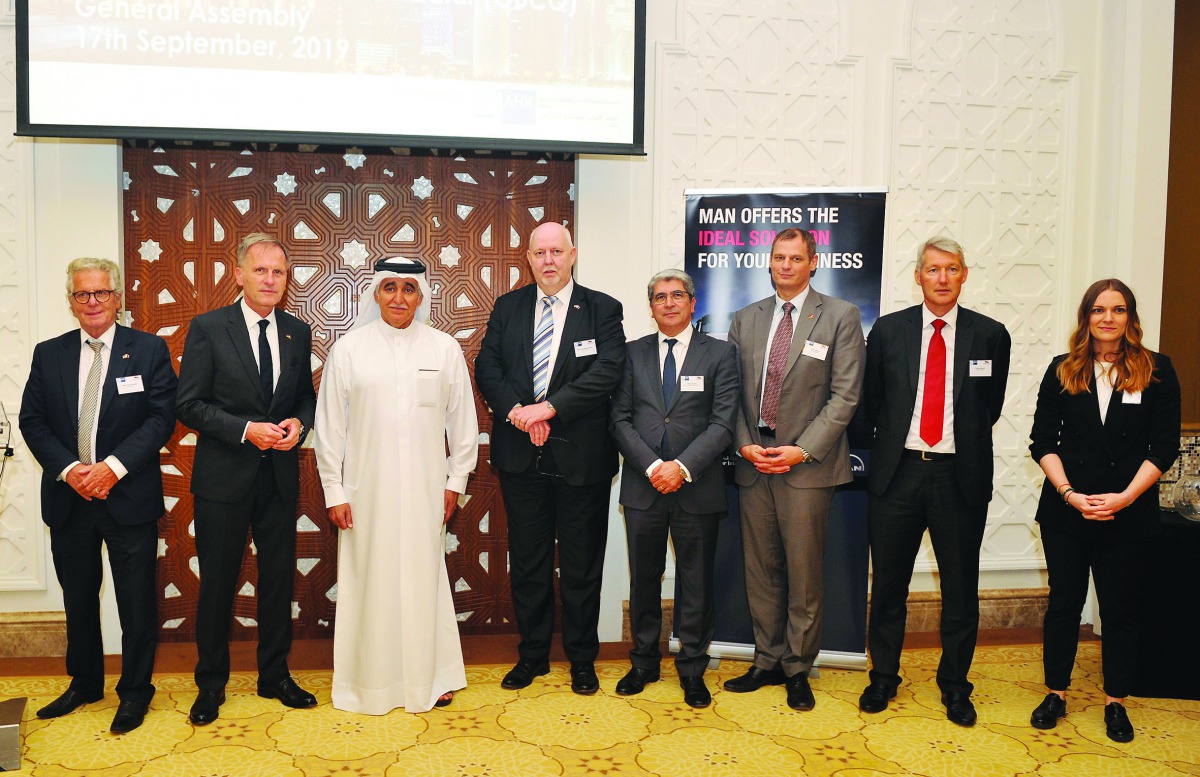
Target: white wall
{"x":1036,"y":133}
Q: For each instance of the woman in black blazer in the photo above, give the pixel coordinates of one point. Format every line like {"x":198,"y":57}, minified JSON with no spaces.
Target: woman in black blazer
{"x":1105,"y":429}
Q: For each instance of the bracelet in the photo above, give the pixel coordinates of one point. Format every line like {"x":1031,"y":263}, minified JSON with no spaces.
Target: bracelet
{"x":1060,"y":488}
{"x":1066,"y":495}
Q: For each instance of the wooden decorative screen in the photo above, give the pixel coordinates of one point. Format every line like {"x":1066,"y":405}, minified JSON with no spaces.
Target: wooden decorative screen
{"x":466,"y":218}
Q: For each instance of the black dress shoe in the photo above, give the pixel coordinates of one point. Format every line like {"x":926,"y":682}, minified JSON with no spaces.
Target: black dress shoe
{"x":876,"y":697}
{"x":799,"y":694}
{"x":635,"y":681}
{"x":755,"y":679}
{"x":1116,"y":723}
{"x":521,"y":675}
{"x":288,"y":692}
{"x":959,"y":708}
{"x":206,"y":707}
{"x":70,"y":699}
{"x":583,"y":678}
{"x":130,"y":715}
{"x":1048,"y":712}
{"x":695,"y":692}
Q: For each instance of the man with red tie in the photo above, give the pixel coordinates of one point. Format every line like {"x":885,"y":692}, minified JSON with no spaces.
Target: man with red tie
{"x":936,"y":374}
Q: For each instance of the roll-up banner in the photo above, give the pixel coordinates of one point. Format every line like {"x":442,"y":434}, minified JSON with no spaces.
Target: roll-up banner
{"x":728,"y":253}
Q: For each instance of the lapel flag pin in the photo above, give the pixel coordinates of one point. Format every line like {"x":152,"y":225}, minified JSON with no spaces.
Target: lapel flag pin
{"x":288,"y":337}
{"x":810,"y":315}
{"x":575,"y":306}
{"x":124,"y":356}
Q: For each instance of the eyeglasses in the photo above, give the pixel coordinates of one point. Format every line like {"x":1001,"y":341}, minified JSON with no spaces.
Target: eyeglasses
{"x":549,"y":468}
{"x":676,"y":296}
{"x":101,"y":295}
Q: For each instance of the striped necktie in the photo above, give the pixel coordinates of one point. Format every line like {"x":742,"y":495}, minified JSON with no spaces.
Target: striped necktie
{"x":543,"y":337}
{"x":91,"y":402}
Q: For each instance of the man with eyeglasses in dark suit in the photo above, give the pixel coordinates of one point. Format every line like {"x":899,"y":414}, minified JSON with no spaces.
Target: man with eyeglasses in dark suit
{"x":99,"y":404}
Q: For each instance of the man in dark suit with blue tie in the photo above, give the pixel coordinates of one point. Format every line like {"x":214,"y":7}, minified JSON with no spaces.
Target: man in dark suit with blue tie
{"x":245,"y":385}
{"x":548,"y":365}
{"x":99,"y":404}
{"x":934,"y":387}
{"x":673,"y":417}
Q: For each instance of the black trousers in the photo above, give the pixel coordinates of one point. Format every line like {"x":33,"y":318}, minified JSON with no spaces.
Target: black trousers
{"x":221,"y":529}
{"x":695,"y":540}
{"x":924,"y":495}
{"x":542,"y":508}
{"x":132,"y":554}
{"x":1069,"y":559}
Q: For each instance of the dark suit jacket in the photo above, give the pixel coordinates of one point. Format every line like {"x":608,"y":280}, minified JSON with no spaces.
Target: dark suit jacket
{"x":819,"y":395}
{"x":219,"y":391}
{"x":890,"y":395}
{"x":580,"y":388}
{"x":1103,"y":458}
{"x":132,"y":427}
{"x":701,"y":422}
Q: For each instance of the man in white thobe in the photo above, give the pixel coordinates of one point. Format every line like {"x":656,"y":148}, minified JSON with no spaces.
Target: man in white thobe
{"x":395,"y":397}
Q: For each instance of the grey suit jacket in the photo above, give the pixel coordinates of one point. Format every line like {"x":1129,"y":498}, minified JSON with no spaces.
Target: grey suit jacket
{"x":700,"y":422}
{"x":219,"y":391}
{"x":819,"y":394}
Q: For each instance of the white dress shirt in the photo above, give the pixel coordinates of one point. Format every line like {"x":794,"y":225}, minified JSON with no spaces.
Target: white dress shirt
{"x":252,"y":320}
{"x":682,"y":341}
{"x":86,"y":356}
{"x":559,"y":309}
{"x":914,"y":441}
{"x":776,"y":317}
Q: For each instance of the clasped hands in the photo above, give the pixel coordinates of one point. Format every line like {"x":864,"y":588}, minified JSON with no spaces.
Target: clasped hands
{"x":534,"y":420}
{"x":282,"y":436}
{"x":92,"y":481}
{"x":667,"y":477}
{"x":1098,"y":507}
{"x":772,"y":461}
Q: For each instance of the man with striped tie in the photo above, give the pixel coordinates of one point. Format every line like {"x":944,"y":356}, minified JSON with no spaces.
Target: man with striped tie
{"x":99,"y":404}
{"x":548,"y":365}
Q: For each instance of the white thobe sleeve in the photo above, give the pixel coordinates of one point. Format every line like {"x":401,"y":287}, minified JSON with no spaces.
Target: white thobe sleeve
{"x":462,"y":426}
{"x":332,"y":427}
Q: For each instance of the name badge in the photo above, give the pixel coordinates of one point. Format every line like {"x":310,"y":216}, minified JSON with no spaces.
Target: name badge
{"x":981,"y":368}
{"x":1131,"y":398}
{"x":815,"y":350}
{"x":585,"y":348}
{"x":131,"y":384}
{"x":691,"y":383}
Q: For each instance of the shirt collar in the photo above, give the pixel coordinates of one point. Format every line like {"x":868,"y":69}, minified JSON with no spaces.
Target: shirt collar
{"x":562,"y":295}
{"x":684,"y":338}
{"x":106,"y":337}
{"x":951,"y":317}
{"x":253,"y":318}
{"x":797,"y":300}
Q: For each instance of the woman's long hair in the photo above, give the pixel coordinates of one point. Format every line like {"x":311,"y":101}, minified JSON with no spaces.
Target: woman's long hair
{"x":1133,"y":369}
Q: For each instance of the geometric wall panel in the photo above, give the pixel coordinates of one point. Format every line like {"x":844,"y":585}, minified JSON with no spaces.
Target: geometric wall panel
{"x":185,"y":210}
{"x":981,"y":118}
{"x":752,"y":93}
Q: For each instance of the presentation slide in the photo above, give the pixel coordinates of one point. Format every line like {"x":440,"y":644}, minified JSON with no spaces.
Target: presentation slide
{"x":554,"y":70}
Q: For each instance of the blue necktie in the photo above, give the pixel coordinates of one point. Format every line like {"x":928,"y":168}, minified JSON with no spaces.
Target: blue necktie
{"x":668,"y":379}
{"x":265,"y":368}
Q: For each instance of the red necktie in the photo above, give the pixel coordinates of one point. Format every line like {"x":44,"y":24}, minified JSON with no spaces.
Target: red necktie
{"x":933,"y":403}
{"x":781,"y":346}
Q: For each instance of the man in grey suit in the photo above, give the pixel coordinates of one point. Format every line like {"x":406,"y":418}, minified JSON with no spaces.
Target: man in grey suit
{"x":673,"y":417}
{"x":245,"y":385}
{"x":802,"y":358}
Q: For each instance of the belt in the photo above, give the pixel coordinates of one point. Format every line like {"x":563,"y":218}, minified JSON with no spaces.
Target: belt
{"x":766,"y":431}
{"x":909,"y":453}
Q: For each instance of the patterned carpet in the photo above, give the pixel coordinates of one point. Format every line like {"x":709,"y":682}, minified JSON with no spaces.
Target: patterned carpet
{"x":547,"y":730}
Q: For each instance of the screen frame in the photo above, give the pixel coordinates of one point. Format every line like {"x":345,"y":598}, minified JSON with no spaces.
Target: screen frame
{"x":637,"y":146}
